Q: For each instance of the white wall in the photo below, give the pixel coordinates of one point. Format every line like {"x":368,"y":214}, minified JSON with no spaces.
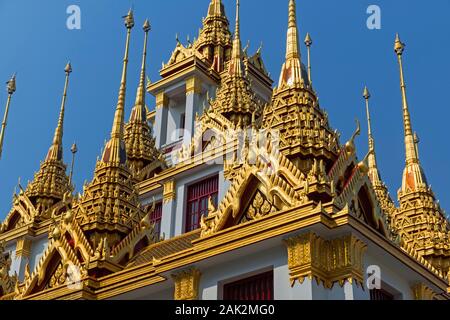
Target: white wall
{"x":244,"y":266}
{"x":173,"y":120}
{"x":15,"y":263}
{"x":37,"y":250}
{"x":395,"y":278}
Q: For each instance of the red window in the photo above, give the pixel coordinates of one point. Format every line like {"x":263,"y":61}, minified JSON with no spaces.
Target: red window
{"x":197,"y":201}
{"x":155,"y":217}
{"x":255,"y":288}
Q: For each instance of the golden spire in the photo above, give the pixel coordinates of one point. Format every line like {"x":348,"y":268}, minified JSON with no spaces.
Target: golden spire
{"x":235,"y":98}
{"x":115,"y":149}
{"x":138,"y":113}
{"x":139,"y":142}
{"x":413,"y":175}
{"x":216,"y":8}
{"x":291,"y":72}
{"x":308,"y":43}
{"x":292,"y":49}
{"x":411,"y":152}
{"x":236,"y":59}
{"x":10,"y":88}
{"x":214,"y":42}
{"x":51,"y":183}
{"x":372,"y":162}
{"x":55,"y":151}
{"x":111,"y":200}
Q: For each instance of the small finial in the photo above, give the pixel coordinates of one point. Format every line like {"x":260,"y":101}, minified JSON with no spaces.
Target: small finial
{"x":129,"y":19}
{"x":308,"y":40}
{"x":147,"y":26}
{"x":366,"y":93}
{"x":261,"y":46}
{"x":245,"y":50}
{"x":68,"y":68}
{"x":399,"y":46}
{"x":74,"y":148}
{"x":11,"y":84}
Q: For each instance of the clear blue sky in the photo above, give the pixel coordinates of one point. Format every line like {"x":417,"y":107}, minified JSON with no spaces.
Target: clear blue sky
{"x":346,"y":55}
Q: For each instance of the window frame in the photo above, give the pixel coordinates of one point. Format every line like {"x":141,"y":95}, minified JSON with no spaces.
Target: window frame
{"x":158,"y":204}
{"x":187,"y":200}
{"x":246,"y":278}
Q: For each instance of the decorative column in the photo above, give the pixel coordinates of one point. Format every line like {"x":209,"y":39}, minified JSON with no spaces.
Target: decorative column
{"x":23,"y":253}
{"x":193,"y":100}
{"x":160,"y":126}
{"x":422,"y":292}
{"x":168,"y":209}
{"x":186,"y":284}
{"x":327,"y":261}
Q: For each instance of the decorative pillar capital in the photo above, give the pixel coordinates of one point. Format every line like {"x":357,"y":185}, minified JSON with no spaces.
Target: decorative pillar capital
{"x":162,"y":100}
{"x":169,"y":193}
{"x":186,"y":284}
{"x":193,"y":86}
{"x":328,"y":261}
{"x":23,"y":248}
{"x":422,"y":292}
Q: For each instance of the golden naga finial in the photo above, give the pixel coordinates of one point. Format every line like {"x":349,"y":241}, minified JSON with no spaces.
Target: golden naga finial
{"x":10,"y":88}
{"x":350,"y":145}
{"x":363,"y":164}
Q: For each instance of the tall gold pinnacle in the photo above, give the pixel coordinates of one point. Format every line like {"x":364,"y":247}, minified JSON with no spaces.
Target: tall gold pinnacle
{"x":291,"y":72}
{"x":139,"y":113}
{"x":308,"y":43}
{"x":411,"y":152}
{"x":372,"y":162}
{"x":292,"y":50}
{"x":55,"y":151}
{"x":236,"y":61}
{"x":216,"y":8}
{"x":366,"y":95}
{"x":10,"y":88}
{"x":115,"y":149}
